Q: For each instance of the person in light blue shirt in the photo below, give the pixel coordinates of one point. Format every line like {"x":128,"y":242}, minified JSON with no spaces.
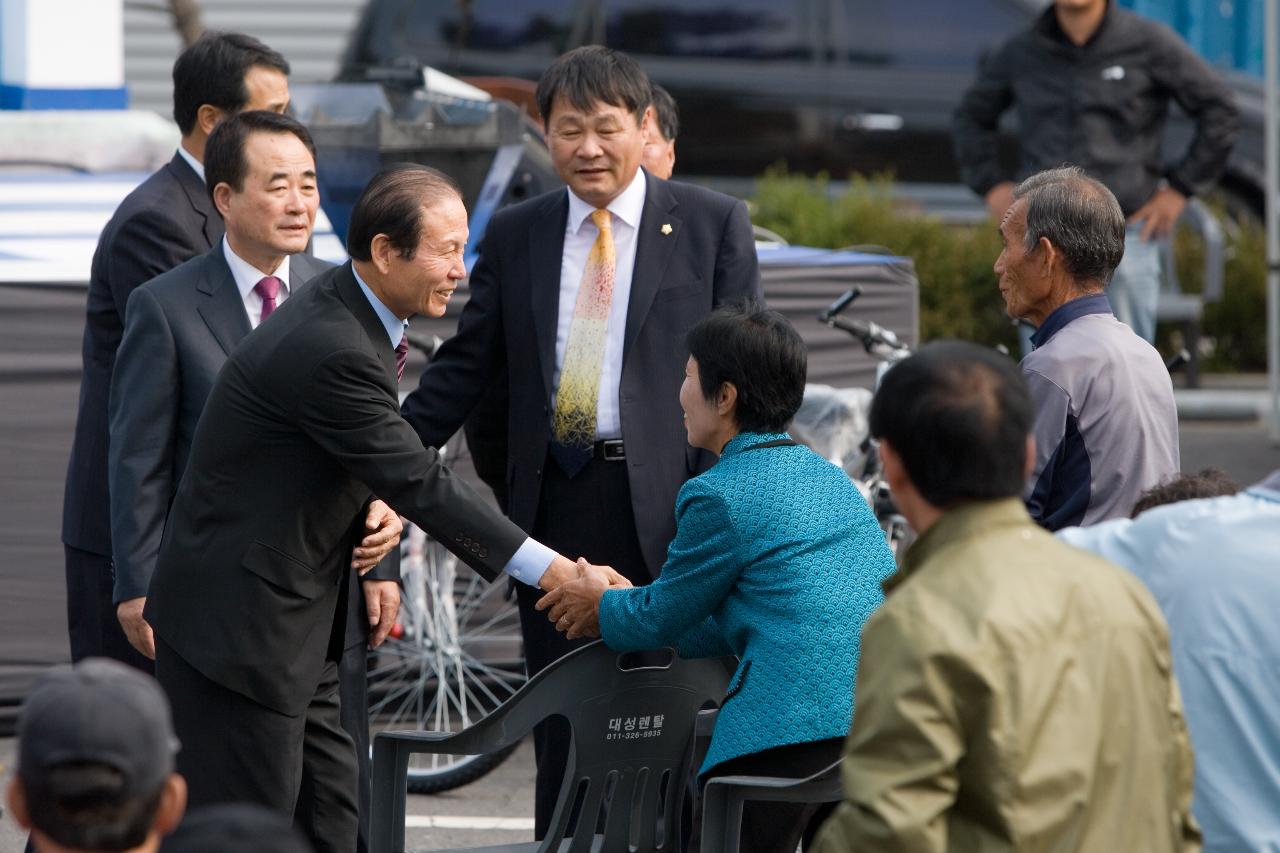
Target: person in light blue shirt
{"x":1212,"y":564}
{"x":777,"y":559}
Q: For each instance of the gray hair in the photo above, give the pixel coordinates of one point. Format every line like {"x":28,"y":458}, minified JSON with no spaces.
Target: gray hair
{"x":1079,"y":216}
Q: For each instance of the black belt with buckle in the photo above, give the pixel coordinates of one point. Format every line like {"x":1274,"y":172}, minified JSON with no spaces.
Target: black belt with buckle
{"x":610,"y":450}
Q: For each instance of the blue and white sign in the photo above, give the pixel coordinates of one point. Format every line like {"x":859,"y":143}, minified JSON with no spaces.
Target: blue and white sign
{"x":62,"y":55}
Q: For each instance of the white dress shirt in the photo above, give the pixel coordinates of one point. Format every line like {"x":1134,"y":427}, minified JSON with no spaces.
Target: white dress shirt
{"x":532,"y":558}
{"x":579,"y":236}
{"x":247,"y":277}
{"x":192,"y":161}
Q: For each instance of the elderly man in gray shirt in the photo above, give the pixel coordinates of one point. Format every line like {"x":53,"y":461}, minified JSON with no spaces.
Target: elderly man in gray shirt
{"x":1106,"y":426}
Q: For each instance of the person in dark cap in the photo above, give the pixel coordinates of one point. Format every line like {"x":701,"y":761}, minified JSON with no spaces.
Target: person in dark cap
{"x":95,"y":762}
{"x":235,"y":828}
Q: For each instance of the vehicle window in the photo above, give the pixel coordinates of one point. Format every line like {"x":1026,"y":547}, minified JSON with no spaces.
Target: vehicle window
{"x":928,"y":33}
{"x":530,"y":26}
{"x":729,"y":29}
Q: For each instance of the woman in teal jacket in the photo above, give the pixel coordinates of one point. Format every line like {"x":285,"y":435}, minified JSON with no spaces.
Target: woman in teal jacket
{"x":777,"y":559}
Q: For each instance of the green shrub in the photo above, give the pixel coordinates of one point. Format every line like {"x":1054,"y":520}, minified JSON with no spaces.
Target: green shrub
{"x":959,"y":296}
{"x":1235,"y":327}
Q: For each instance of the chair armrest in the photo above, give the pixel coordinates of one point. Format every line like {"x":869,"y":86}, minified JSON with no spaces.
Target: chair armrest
{"x":390,"y":770}
{"x":723,"y":796}
{"x":466,"y":742}
{"x":1203,"y":220}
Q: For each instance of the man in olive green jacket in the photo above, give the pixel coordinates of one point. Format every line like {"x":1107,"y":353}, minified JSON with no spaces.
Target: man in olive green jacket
{"x":1014,"y":693}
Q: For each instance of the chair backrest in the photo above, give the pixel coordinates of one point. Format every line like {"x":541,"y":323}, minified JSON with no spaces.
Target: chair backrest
{"x":1205,"y":222}
{"x":632,"y":717}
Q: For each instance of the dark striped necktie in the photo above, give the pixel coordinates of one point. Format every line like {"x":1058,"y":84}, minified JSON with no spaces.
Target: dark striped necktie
{"x":402,"y":356}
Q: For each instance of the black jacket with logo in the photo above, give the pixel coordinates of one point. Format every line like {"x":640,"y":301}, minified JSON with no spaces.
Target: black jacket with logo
{"x":1101,"y":106}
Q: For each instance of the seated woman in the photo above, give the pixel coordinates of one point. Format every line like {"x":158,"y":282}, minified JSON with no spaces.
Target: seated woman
{"x":777,"y":559}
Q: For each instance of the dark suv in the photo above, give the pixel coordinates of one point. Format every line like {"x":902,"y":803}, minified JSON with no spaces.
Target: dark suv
{"x":834,"y":85}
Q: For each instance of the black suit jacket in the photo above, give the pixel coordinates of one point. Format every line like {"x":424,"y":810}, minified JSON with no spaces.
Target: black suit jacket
{"x":302,"y":424}
{"x":179,"y":329}
{"x":166,"y":220}
{"x":707,"y":259}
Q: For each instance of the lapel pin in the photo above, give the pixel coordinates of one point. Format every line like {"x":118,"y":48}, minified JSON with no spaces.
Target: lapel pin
{"x":666,"y":228}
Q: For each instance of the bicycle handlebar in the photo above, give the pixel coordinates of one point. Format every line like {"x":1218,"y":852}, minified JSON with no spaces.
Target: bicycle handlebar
{"x":876,"y":339}
{"x":840,"y":304}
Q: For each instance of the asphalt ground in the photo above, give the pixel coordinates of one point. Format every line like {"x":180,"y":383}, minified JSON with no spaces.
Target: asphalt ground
{"x":498,"y":809}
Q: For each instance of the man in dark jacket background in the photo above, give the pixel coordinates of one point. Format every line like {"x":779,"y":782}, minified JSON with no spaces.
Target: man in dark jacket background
{"x":1091,"y":84}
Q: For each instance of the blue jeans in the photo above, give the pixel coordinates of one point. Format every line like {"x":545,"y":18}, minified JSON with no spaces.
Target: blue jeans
{"x":1135,"y":285}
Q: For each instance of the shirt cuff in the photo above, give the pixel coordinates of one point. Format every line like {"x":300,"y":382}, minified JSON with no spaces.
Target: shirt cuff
{"x":530,"y":562}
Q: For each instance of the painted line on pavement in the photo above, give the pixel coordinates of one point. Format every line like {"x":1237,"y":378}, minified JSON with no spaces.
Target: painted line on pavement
{"x":517,"y":824}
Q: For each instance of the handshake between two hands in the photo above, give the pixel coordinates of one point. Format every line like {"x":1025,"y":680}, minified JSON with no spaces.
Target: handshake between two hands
{"x":573,"y":599}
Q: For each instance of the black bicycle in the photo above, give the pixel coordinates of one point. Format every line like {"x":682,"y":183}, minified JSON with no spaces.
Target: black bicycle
{"x":885,"y":346}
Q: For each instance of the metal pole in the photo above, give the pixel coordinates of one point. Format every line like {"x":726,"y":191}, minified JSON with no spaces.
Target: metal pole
{"x":1272,"y":142}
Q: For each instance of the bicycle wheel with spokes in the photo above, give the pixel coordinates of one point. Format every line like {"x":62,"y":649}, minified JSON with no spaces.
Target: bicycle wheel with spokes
{"x":457,"y":657}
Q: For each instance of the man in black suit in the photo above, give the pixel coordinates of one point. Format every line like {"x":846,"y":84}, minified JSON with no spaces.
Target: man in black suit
{"x":301,"y":427}
{"x":167,"y":220}
{"x":179,"y":329}
{"x":598,"y":479}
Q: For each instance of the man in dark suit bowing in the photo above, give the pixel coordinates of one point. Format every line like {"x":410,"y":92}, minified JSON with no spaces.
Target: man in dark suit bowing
{"x":585,"y":296}
{"x":167,"y":220}
{"x":179,"y":329}
{"x":301,"y":428}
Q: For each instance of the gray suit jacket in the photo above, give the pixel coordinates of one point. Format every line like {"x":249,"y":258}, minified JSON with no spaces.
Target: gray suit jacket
{"x":179,"y":329}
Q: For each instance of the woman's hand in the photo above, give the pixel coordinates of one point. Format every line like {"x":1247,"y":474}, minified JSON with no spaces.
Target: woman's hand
{"x":574,"y":606}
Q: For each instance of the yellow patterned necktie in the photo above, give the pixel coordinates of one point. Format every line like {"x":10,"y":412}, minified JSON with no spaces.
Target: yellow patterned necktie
{"x":574,"y":423}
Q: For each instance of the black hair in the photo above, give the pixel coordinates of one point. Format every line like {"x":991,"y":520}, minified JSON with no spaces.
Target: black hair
{"x":83,"y":805}
{"x":593,"y":73}
{"x":1209,"y":483}
{"x":665,"y":113}
{"x":224,"y":160}
{"x":212,"y":71}
{"x":392,"y":204}
{"x":958,"y":415}
{"x":761,"y":354}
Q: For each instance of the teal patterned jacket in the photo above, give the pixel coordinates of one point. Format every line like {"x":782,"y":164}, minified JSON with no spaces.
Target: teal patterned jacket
{"x":777,"y":559}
